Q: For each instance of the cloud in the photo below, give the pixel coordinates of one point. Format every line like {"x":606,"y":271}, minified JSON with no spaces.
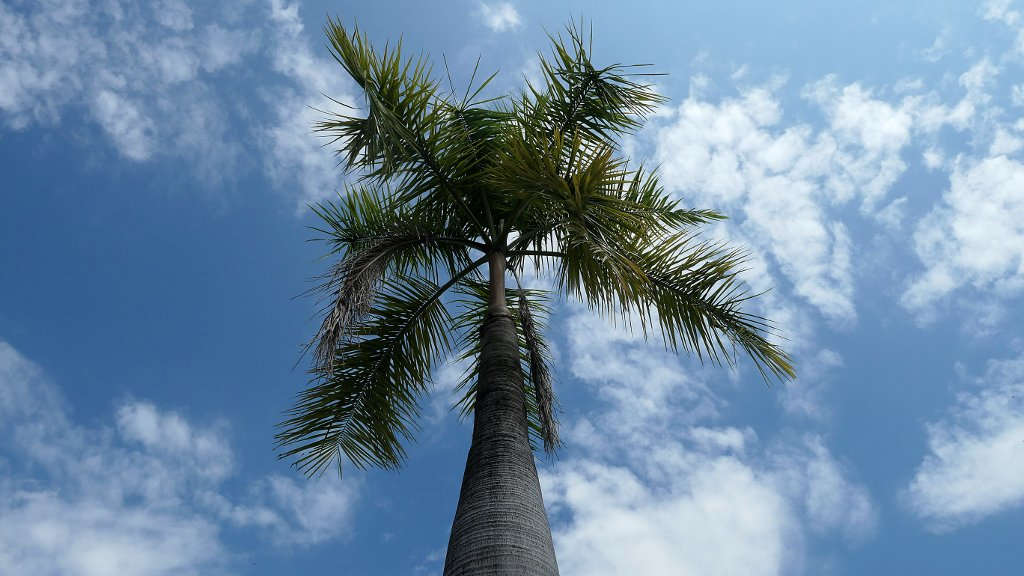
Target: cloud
{"x":157,"y":80}
{"x":805,"y":395}
{"x":148,"y":495}
{"x":644,"y":380}
{"x":721,"y":519}
{"x":499,"y":16}
{"x":974,"y":467}
{"x":142,"y":74}
{"x":45,"y":534}
{"x":775,"y":183}
{"x":295,"y":156}
{"x":173,"y":14}
{"x":975,"y":237}
{"x":703,"y":508}
{"x":787,"y":186}
{"x":821,"y":487}
{"x":1000,"y":10}
{"x":656,"y":486}
{"x":939,"y":48}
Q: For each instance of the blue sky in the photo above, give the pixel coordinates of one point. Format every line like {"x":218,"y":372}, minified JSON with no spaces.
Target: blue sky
{"x":157,"y":162}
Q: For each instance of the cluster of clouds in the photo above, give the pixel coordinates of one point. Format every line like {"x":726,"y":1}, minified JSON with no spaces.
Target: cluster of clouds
{"x":149,"y":493}
{"x":789,"y":187}
{"x":654,"y":466}
{"x":818,"y":206}
{"x":159,"y":80}
{"x":659,"y":470}
{"x":974,"y":238}
{"x":162,"y":80}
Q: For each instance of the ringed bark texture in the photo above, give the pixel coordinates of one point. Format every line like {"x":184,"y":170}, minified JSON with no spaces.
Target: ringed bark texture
{"x":500,"y":527}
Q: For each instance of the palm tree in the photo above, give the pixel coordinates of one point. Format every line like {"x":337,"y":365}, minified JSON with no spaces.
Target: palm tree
{"x":448,"y":186}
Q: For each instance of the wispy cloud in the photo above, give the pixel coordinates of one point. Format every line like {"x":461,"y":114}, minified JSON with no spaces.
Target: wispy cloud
{"x":146,"y":495}
{"x":157,"y":81}
{"x":295,"y":157}
{"x":939,"y":48}
{"x":143,"y":74}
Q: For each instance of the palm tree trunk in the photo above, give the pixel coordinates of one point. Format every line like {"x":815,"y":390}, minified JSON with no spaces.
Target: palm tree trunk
{"x":500,"y":526}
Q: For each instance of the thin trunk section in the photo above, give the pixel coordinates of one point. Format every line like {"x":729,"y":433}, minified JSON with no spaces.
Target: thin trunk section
{"x":500,"y":526}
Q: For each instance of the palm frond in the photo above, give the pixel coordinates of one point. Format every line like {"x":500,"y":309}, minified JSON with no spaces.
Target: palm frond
{"x":695,"y":288}
{"x":540,"y":374}
{"x":687,"y":288}
{"x":581,"y":99}
{"x":409,"y":134}
{"x":375,"y":236}
{"x":367,"y":405}
{"x":400,"y":98}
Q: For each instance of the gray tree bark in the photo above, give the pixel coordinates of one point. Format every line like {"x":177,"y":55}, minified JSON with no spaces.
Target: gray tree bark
{"x":500,"y":526}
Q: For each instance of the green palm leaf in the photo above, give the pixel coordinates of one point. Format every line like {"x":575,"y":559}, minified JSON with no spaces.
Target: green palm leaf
{"x":445,"y":184}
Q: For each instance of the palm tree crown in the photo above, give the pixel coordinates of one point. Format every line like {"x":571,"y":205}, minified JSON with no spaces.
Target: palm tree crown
{"x":449,"y":186}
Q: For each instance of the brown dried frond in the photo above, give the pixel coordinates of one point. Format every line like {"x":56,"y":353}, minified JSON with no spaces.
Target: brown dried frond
{"x":357,"y":278}
{"x":540,"y":375}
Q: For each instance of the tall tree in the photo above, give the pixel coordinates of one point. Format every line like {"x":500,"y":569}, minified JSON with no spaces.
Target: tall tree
{"x":455,"y":196}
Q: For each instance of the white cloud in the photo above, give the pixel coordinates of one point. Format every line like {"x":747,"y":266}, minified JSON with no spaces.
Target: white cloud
{"x":644,"y":380}
{"x":173,"y":14}
{"x":169,"y":435}
{"x":132,"y":132}
{"x":44,"y":533}
{"x":1000,"y":10}
{"x":975,"y":237}
{"x":869,"y":134}
{"x":974,"y":466}
{"x":805,"y":395}
{"x":939,"y":48}
{"x":499,"y":16}
{"x":656,"y":487}
{"x":722,"y":518}
{"x":146,"y":496}
{"x":295,"y":154}
{"x":137,"y":73}
{"x":808,"y":473}
{"x":1005,"y":143}
{"x":933,"y":158}
{"x":153,"y":79}
{"x":786,"y":186}
{"x":224,"y":47}
{"x":1017,"y":95}
{"x":686,"y":507}
{"x":776,"y":183}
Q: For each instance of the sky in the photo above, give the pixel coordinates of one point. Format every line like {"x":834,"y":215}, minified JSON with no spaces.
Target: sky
{"x":158,"y":162}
